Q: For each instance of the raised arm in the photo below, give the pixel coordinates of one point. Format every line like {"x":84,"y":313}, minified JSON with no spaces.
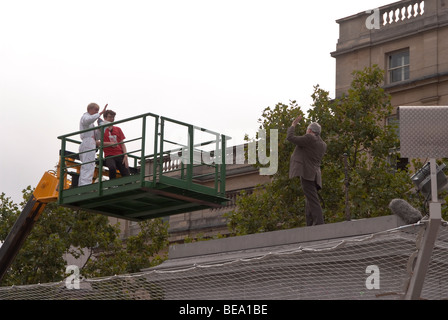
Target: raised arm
{"x":291,"y":137}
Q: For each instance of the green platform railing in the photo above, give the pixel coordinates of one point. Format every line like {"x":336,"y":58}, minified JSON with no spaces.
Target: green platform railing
{"x":164,"y":154}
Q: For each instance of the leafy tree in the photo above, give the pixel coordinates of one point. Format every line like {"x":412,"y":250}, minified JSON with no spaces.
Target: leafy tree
{"x":61,"y":231}
{"x":354,"y":127}
{"x":112,"y":256}
{"x":275,"y":205}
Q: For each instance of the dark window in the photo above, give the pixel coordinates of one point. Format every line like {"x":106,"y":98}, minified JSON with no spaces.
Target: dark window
{"x":398,"y":66}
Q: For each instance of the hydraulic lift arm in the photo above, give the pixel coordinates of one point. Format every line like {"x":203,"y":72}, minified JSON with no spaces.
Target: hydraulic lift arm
{"x":45,"y":192}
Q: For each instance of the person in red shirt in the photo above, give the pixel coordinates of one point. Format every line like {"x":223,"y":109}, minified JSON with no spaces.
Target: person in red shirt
{"x":115,"y":155}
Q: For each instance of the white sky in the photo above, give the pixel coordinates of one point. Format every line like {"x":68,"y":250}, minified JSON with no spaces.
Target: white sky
{"x":215,"y":64}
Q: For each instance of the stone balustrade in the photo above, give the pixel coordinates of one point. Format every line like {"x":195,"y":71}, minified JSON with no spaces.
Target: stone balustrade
{"x":402,"y":11}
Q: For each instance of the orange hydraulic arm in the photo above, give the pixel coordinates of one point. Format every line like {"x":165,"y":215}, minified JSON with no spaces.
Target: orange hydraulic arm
{"x":45,"y":192}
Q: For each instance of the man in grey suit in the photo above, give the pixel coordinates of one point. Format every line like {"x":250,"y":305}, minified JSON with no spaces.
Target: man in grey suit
{"x":305,"y":163}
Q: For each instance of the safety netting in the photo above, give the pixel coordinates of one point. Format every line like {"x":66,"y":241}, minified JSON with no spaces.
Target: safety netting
{"x":374,"y":266}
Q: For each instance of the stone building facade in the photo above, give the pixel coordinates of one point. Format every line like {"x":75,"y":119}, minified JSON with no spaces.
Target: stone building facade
{"x":408,"y":39}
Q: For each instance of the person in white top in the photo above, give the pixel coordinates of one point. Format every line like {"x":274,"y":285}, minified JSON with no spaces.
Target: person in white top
{"x":88,"y":143}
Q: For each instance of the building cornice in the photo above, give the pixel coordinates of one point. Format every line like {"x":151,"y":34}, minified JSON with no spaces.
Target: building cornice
{"x":415,"y":83}
{"x":431,"y":18}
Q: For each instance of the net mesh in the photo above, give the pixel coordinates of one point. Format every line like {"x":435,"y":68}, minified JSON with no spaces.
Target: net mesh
{"x":336,"y":269}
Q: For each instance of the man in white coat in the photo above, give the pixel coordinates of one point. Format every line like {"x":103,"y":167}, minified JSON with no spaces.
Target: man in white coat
{"x":88,"y":143}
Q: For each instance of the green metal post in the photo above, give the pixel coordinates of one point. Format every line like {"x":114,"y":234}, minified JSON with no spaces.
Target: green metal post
{"x":159,"y":157}
{"x":217,"y":163}
{"x":223,"y":165}
{"x":62,"y":171}
{"x":182,"y":171}
{"x":142,"y":157}
{"x":100,"y":172}
{"x":156,"y":139}
{"x":190,"y":156}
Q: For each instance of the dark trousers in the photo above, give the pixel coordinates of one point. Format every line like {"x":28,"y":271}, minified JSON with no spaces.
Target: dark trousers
{"x":115,"y":164}
{"x":313,"y":209}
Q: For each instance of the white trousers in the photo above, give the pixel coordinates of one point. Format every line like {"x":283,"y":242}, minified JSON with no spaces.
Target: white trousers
{"x":87,"y":170}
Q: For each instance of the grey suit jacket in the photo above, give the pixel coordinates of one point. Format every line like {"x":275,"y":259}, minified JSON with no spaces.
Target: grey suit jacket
{"x":307,"y":156}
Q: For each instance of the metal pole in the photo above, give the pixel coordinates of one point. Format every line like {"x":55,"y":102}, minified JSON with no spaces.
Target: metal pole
{"x":429,"y":239}
{"x":434,"y":190}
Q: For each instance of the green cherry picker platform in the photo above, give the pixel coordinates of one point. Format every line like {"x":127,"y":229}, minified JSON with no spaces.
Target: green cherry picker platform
{"x":175,"y":168}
